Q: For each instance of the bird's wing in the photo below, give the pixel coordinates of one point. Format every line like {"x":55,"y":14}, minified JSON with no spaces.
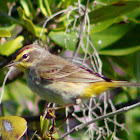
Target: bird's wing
{"x":67,"y":73}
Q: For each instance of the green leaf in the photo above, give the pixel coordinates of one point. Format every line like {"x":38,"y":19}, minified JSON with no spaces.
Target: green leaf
{"x":14,"y":29}
{"x":110,"y":137}
{"x":137,"y":68}
{"x":101,"y":26}
{"x":39,"y":30}
{"x":43,"y":9}
{"x":8,"y":28}
{"x":11,"y":106}
{"x":46,"y":3}
{"x":36,"y":30}
{"x":41,"y":123}
{"x":12,"y":127}
{"x":111,"y":34}
{"x":45,"y":127}
{"x":64,"y":39}
{"x":133,"y":123}
{"x":119,"y":52}
{"x":133,"y":14}
{"x":5,"y":33}
{"x":25,"y":7}
{"x":13,"y":89}
{"x":106,"y":37}
{"x":10,"y":47}
{"x":113,"y":10}
{"x":27,"y":23}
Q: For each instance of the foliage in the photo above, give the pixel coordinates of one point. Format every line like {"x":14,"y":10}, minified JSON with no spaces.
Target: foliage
{"x":102,"y":33}
{"x":10,"y":127}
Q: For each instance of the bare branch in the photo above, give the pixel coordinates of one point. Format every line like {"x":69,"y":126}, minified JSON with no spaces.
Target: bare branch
{"x":81,"y":126}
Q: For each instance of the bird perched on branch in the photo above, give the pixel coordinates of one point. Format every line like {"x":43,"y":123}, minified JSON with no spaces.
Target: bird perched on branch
{"x":59,"y":81}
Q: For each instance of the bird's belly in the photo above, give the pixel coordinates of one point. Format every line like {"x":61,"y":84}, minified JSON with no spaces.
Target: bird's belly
{"x":61,"y":93}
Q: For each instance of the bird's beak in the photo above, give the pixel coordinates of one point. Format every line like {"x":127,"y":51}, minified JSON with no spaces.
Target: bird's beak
{"x":10,"y":64}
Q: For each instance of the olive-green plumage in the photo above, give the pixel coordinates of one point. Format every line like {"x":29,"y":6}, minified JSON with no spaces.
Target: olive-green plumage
{"x":58,"y":80}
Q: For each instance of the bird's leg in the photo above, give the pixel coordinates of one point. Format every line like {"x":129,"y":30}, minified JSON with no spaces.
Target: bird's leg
{"x":49,"y":110}
{"x":71,"y":110}
{"x":52,"y":128}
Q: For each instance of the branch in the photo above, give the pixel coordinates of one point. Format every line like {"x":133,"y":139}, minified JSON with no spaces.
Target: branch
{"x":81,"y":28}
{"x":81,"y":126}
{"x":60,"y":115}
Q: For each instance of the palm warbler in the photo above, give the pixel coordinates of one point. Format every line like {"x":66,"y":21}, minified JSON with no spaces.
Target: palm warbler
{"x":59,"y":81}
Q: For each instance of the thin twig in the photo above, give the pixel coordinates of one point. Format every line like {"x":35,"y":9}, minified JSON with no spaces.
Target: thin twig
{"x":56,"y":14}
{"x":82,"y":24}
{"x":3,"y":85}
{"x":81,"y":126}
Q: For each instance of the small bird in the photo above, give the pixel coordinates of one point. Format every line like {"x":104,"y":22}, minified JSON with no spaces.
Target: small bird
{"x":58,"y":80}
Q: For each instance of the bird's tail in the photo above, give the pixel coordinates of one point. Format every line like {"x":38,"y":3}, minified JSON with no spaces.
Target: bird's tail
{"x":97,"y":88}
{"x":125,"y":84}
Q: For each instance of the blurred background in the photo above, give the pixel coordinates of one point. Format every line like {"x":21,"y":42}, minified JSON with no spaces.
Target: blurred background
{"x":101,"y":35}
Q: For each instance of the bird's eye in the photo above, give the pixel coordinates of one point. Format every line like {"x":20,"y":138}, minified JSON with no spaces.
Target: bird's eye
{"x":25,"y":56}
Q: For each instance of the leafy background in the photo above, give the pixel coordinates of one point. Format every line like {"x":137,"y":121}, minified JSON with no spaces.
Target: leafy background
{"x":112,"y":28}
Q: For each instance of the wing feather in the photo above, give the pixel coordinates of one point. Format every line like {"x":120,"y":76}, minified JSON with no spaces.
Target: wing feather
{"x":66,"y":71}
